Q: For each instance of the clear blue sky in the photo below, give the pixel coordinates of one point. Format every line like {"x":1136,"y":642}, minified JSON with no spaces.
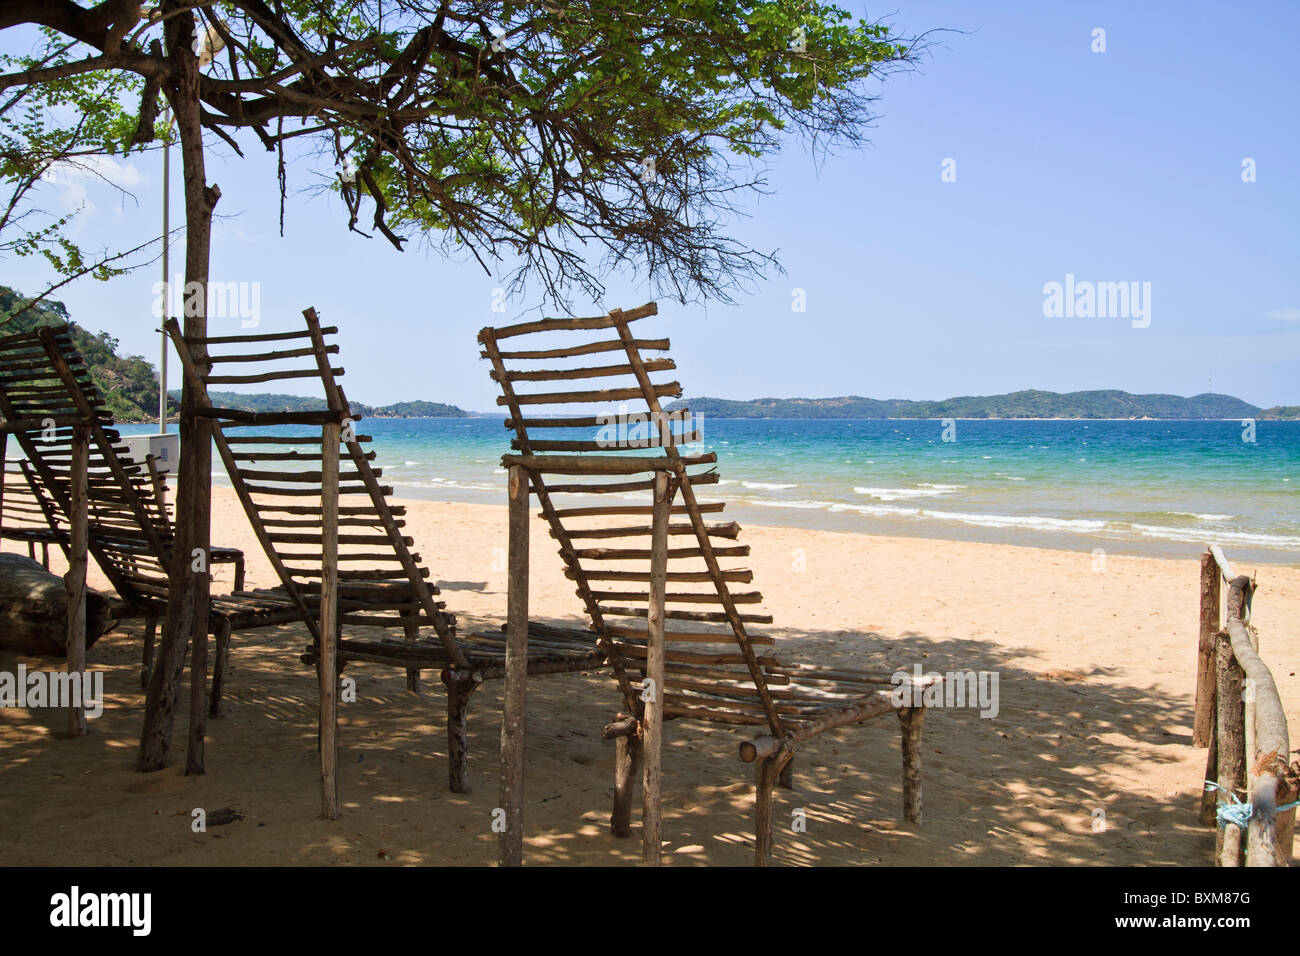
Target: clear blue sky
{"x":1115,"y":166}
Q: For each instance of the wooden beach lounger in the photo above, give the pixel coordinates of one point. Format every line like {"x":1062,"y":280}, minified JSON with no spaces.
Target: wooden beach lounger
{"x":327,"y":526}
{"x":59,"y":420}
{"x":651,"y":573}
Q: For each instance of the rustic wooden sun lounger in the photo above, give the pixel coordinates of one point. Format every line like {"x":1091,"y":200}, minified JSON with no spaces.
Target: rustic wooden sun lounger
{"x":651,"y":573}
{"x":326,"y":524}
{"x":57,"y":416}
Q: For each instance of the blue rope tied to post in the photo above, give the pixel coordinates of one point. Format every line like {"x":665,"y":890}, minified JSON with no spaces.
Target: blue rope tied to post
{"x":1238,"y":812}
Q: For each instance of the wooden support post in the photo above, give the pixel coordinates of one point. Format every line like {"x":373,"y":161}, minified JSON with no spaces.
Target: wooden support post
{"x":412,"y":632}
{"x":239,"y":573}
{"x":220,"y":665}
{"x":911,"y":720}
{"x":327,"y":659}
{"x":653,"y":719}
{"x":769,"y":771}
{"x":1203,"y":723}
{"x":1209,"y":798}
{"x":1232,"y":747}
{"x":75,"y":580}
{"x":459,"y":689}
{"x":194,"y":752}
{"x":146,"y":659}
{"x":516,"y":693}
{"x":1285,"y":847}
{"x":627,"y":767}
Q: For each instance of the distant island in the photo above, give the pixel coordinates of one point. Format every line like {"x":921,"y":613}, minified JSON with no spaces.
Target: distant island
{"x":1031,"y":403}
{"x":300,"y":403}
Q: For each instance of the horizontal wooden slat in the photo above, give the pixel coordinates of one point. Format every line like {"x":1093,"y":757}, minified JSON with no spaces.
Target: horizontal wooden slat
{"x":593,"y":397}
{"x":604,"y":465}
{"x":264,"y":337}
{"x":711,"y":507}
{"x":555,"y":325}
{"x":591,"y":348}
{"x":594,"y":371}
{"x":643,"y":554}
{"x":275,"y":376}
{"x":737,"y":575}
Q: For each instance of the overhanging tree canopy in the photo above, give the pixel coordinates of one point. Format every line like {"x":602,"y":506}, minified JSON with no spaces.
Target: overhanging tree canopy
{"x":569,"y":137}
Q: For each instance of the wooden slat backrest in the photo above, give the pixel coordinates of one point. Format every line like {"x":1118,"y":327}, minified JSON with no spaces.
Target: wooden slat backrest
{"x":270,"y":459}
{"x":527,"y":359}
{"x":44,"y":381}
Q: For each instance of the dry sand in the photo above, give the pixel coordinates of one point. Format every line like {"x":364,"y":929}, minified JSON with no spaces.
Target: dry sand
{"x":1097,"y":676}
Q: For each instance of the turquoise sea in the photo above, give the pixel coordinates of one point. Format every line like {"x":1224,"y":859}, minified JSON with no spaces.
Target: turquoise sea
{"x":1140,"y":487}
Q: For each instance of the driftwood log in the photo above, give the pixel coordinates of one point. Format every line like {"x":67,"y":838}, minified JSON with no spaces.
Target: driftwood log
{"x":34,"y":609}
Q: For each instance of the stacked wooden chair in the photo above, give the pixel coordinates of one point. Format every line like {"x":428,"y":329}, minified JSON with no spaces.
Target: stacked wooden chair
{"x":98,"y":502}
{"x":337,"y":543}
{"x":664,"y":609}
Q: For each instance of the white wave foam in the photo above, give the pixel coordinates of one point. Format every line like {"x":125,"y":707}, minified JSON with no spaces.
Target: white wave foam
{"x":768,"y":486}
{"x":1280,"y":541}
{"x":899,"y":494}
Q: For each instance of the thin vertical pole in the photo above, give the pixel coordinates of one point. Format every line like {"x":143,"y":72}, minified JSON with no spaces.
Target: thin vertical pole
{"x":652,"y":754}
{"x":75,"y":580}
{"x":329,"y":594}
{"x":166,"y":263}
{"x":1203,"y":722}
{"x":512,"y":718}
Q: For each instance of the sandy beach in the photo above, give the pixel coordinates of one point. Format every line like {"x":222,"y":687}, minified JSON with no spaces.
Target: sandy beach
{"x":1096,"y":663}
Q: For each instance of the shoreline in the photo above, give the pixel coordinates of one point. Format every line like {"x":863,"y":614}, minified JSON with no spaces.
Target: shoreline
{"x":930,"y":529}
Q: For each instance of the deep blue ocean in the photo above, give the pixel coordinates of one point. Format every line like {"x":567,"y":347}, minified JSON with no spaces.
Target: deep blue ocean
{"x":1143,"y":487}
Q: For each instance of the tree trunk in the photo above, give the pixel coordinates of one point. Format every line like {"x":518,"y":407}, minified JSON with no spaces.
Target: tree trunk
{"x":187,"y":604}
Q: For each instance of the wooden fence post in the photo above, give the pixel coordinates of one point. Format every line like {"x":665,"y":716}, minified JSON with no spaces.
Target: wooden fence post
{"x":75,"y":580}
{"x":653,"y":721}
{"x":327,"y":659}
{"x":1232,"y":747}
{"x":1203,"y":722}
{"x":516,"y":692}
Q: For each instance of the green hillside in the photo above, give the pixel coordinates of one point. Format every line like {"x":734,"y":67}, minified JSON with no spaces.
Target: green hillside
{"x":127,"y":383}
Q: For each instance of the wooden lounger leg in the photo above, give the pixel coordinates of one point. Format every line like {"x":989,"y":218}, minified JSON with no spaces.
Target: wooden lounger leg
{"x":769,"y":770}
{"x":459,"y":689}
{"x":150,"y":634}
{"x":627,"y":768}
{"x":239,"y":573}
{"x":413,"y":673}
{"x":219,"y":665}
{"x":910,"y":720}
{"x":786,"y":779}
